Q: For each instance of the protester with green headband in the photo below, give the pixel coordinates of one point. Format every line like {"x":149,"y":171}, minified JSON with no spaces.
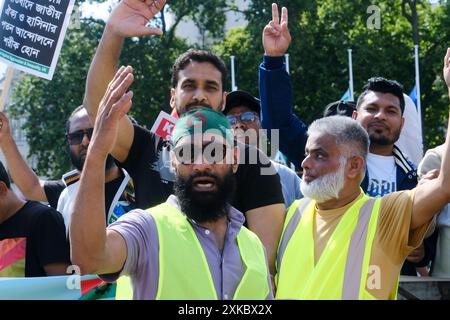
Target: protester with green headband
{"x":193,"y":246}
{"x":198,"y":80}
{"x":203,"y":121}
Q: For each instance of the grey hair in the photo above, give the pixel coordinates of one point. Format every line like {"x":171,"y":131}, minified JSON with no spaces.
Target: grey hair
{"x":348,"y":133}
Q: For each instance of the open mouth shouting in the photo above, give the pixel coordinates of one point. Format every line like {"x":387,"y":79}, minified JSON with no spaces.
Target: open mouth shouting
{"x":204,"y":184}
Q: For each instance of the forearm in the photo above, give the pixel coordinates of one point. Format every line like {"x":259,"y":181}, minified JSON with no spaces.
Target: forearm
{"x":23,"y":176}
{"x":445,"y":164}
{"x":276,"y":109}
{"x":267,"y":223}
{"x":433,"y":195}
{"x":88,"y":226}
{"x":275,"y":93}
{"x":102,"y":69}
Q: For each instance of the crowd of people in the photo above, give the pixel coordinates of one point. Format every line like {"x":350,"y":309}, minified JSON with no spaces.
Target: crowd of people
{"x":211,"y":213}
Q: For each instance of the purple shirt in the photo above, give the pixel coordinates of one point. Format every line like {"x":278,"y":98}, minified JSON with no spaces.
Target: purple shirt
{"x":139,"y":230}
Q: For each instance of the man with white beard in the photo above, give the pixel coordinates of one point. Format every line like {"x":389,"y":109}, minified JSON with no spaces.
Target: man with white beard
{"x":339,"y":243}
{"x":326,"y":187}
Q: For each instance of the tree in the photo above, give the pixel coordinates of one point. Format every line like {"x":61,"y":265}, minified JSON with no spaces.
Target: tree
{"x":435,"y":39}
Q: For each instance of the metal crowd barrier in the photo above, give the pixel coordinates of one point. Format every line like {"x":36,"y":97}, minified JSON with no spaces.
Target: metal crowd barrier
{"x":423,"y":288}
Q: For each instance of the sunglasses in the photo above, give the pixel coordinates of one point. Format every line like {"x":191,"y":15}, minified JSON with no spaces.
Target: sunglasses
{"x":245,"y":117}
{"x":76,"y":137}
{"x":211,"y":153}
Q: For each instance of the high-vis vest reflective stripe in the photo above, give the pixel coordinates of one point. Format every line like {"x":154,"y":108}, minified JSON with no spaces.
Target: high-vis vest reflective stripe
{"x":343,"y":268}
{"x":183,"y":268}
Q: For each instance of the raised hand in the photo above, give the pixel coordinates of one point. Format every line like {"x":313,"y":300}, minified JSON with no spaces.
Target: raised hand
{"x":276,"y":37}
{"x":5,"y":129}
{"x":130,"y":17}
{"x":115,"y":104}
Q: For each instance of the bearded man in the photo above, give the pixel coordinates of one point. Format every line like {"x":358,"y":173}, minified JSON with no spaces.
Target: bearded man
{"x":194,"y":245}
{"x":60,"y":194}
{"x":339,"y":243}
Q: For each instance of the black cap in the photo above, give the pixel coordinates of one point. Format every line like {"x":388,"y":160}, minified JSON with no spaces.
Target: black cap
{"x":241,"y":98}
{"x":340,"y":108}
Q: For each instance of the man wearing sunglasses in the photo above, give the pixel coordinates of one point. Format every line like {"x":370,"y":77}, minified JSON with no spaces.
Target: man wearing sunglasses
{"x":60,"y":194}
{"x":193,"y":245}
{"x":242,"y":111}
{"x":198,"y":80}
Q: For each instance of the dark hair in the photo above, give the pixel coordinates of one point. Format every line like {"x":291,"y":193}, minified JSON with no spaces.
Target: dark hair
{"x":71,"y":116}
{"x":340,"y":108}
{"x":4,"y":176}
{"x":380,"y":84}
{"x":197,"y":56}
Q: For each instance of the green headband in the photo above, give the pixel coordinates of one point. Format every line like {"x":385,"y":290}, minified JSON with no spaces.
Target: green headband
{"x":202,"y":120}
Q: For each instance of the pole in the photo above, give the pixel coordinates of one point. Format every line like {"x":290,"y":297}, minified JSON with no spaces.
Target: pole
{"x":286,"y":56}
{"x":419,"y":103}
{"x":233,"y":78}
{"x":350,"y":71}
{"x":6,"y":85}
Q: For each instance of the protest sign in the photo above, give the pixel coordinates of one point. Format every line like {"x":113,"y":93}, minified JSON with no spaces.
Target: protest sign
{"x":163,"y":125}
{"x":32,"y":33}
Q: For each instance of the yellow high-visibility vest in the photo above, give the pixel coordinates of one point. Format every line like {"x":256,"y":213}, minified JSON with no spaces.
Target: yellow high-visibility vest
{"x":183,"y":269}
{"x":343,"y":268}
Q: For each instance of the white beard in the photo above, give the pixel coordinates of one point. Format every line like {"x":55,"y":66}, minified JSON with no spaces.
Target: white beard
{"x":326,"y":187}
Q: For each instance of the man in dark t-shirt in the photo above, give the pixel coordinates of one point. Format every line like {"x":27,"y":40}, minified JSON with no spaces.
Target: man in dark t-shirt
{"x":79,"y":130}
{"x":198,"y":80}
{"x":32,"y":238}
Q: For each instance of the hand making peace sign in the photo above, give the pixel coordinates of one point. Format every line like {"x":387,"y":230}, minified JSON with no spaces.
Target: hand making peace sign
{"x":276,"y":37}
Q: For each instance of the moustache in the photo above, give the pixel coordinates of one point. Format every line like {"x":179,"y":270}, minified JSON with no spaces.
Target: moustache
{"x":377,"y":123}
{"x":197,"y":105}
{"x":202,"y":175}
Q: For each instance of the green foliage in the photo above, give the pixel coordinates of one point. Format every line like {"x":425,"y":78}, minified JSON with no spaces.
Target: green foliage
{"x":207,"y":15}
{"x":435,"y":101}
{"x":238,"y":43}
{"x":152,"y":61}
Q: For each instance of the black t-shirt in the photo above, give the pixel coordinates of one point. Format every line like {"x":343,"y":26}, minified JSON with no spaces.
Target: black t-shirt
{"x":149,"y":165}
{"x":31,"y":239}
{"x":54,"y":188}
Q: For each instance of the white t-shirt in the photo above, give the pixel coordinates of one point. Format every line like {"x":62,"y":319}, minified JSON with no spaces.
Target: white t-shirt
{"x":382,"y":175}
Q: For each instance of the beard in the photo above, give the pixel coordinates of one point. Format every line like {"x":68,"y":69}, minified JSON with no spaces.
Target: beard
{"x":326,"y":187}
{"x":205,"y":206}
{"x":79,"y":159}
{"x":384,"y":140}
